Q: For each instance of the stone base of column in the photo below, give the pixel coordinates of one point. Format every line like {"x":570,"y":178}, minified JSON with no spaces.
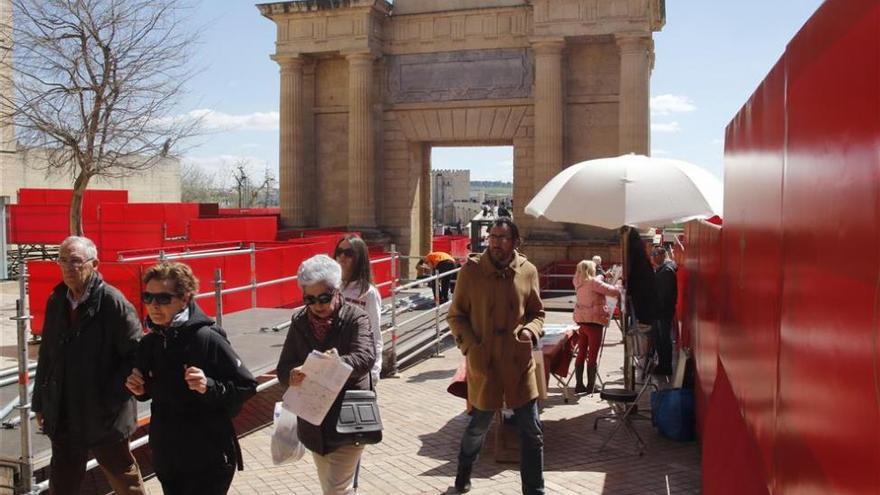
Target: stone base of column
{"x":549,"y":231}
{"x":373,"y":235}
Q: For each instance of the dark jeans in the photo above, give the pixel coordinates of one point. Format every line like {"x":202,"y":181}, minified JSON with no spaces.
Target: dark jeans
{"x":445,"y":282}
{"x":68,"y":466}
{"x":214,"y":481}
{"x":531,"y":443}
{"x":661,"y":334}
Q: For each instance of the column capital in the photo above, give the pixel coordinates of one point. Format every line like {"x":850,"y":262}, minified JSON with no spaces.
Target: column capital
{"x":548,"y":46}
{"x":633,"y":42}
{"x":289,"y":61}
{"x":361,"y":56}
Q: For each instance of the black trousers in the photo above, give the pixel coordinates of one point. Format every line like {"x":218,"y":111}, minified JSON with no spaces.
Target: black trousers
{"x":214,"y":481}
{"x":445,"y":282}
{"x":661,"y":334}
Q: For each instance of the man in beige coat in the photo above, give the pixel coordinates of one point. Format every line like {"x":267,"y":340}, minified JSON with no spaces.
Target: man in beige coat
{"x":497,"y":317}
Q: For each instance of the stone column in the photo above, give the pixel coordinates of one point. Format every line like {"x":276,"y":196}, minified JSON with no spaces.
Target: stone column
{"x":549,"y":108}
{"x":291,"y":166}
{"x":635,"y":89}
{"x":361,"y":173}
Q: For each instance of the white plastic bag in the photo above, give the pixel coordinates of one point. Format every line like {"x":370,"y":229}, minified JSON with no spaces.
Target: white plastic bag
{"x":285,"y":445}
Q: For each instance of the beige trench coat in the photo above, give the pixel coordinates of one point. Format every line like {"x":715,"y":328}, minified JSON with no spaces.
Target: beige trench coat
{"x":490,"y":307}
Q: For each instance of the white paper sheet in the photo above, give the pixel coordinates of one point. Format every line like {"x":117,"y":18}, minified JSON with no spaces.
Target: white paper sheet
{"x":325,"y":377}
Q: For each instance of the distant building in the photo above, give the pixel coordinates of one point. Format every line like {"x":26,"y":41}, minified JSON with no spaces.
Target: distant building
{"x":447,"y":187}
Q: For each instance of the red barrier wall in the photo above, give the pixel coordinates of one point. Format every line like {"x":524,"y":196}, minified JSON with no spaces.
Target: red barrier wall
{"x":42,"y":216}
{"x":232,"y":229}
{"x":703,"y":262}
{"x":794,"y":405}
{"x":455,"y":245}
{"x":175,"y":216}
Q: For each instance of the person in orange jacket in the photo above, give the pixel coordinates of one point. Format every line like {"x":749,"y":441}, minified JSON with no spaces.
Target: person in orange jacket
{"x":440,"y":262}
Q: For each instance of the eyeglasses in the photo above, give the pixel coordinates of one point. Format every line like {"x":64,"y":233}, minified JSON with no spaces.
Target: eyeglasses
{"x":161,"y":298}
{"x":324,"y":298}
{"x":72,"y":262}
{"x":348,"y":252}
{"x":499,"y":238}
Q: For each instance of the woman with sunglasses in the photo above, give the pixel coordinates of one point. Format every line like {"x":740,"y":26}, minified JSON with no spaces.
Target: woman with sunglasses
{"x":357,"y":288}
{"x":197,"y":383}
{"x":328,"y":324}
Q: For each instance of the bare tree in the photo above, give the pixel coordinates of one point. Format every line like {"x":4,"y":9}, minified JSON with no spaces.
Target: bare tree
{"x":242,"y":183}
{"x":94,"y":84}
{"x":199,"y":186}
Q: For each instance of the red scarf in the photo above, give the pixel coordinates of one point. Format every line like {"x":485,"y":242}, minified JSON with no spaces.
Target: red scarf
{"x":321,"y":326}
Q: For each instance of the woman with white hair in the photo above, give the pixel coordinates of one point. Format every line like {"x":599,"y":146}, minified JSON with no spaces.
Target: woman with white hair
{"x":328,"y":324}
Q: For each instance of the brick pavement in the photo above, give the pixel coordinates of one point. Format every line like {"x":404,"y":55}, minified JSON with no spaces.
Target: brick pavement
{"x":423,"y":426}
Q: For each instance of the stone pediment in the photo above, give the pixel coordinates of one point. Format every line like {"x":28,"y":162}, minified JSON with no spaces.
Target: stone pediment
{"x":403,"y":7}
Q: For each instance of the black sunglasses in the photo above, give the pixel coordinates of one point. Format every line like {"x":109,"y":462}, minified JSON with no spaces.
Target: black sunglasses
{"x":348,"y":252}
{"x":324,"y":298}
{"x":161,"y":298}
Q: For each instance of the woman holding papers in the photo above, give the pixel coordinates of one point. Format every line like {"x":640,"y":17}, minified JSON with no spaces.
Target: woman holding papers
{"x":330,"y":325}
{"x":591,"y":313}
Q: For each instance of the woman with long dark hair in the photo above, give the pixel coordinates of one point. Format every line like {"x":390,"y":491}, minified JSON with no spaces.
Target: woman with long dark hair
{"x":353,"y":257}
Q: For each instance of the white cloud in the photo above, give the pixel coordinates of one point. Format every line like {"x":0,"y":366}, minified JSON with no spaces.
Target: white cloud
{"x":718,"y":141}
{"x":671,"y":127}
{"x":213,"y":120}
{"x":669,"y":104}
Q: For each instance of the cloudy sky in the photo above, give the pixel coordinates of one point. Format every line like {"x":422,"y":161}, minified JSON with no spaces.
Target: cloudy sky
{"x":710,"y":56}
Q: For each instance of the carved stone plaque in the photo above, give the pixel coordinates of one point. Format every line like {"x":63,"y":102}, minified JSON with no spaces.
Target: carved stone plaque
{"x":461,"y":75}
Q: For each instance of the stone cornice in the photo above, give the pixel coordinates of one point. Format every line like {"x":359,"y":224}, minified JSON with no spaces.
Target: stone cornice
{"x":308,"y":6}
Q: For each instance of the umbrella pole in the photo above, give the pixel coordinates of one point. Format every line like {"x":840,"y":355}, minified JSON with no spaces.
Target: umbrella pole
{"x":628,"y":370}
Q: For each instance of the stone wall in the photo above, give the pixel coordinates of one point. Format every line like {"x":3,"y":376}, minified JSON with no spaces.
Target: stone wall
{"x":26,"y":169}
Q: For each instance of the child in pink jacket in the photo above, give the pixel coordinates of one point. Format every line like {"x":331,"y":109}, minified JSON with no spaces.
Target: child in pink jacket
{"x":591,"y":313}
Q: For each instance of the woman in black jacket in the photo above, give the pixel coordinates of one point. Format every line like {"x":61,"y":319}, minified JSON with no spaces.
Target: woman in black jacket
{"x":328,"y":324}
{"x":197,"y":384}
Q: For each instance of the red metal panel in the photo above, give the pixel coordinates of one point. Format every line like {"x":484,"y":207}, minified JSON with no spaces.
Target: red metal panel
{"x":127,"y":278}
{"x":229,"y":229}
{"x":38,"y":224}
{"x":382,"y":273}
{"x":115,"y":237}
{"x":730,"y":456}
{"x":43,"y":277}
{"x":175,"y":216}
{"x":752,"y":257}
{"x":829,"y":403}
{"x":704,"y":265}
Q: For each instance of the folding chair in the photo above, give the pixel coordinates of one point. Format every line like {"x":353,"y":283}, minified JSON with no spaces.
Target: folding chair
{"x":624,"y":409}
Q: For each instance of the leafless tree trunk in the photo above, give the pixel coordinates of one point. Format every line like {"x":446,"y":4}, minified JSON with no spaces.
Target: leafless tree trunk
{"x":94,"y":85}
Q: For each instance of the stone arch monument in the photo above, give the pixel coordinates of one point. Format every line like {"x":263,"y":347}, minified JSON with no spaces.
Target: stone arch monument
{"x":367,"y":87}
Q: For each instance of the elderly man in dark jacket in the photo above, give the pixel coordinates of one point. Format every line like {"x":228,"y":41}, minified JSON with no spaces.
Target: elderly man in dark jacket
{"x":88,"y":348}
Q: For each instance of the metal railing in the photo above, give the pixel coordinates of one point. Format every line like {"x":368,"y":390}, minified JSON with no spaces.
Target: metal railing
{"x":26,"y":482}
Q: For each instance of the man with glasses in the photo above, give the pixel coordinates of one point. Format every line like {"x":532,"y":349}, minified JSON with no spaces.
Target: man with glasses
{"x":90,"y":337}
{"x":497,"y":318}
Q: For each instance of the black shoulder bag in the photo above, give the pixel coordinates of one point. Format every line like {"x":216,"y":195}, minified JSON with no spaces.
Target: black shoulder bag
{"x":359,"y":416}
